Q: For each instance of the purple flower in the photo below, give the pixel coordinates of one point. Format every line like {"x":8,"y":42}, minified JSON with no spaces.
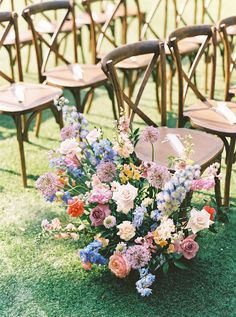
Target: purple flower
{"x":138,"y":256}
{"x":150,"y":134}
{"x":158,"y":175}
{"x":47,"y":184}
{"x":106,"y":171}
{"x":68,"y":132}
{"x":139,"y":216}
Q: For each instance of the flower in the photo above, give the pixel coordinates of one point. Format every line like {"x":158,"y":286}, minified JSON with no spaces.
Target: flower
{"x":70,"y":147}
{"x":139,"y":216}
{"x":100,"y":195}
{"x":199,"y":220}
{"x":56,"y":224}
{"x":75,"y":207}
{"x":98,"y":214}
{"x":211,"y":211}
{"x":106,"y":171}
{"x":46,"y":225}
{"x":158,"y":175}
{"x":68,"y":132}
{"x":121,"y":247}
{"x":93,"y":135}
{"x":150,"y":134}
{"x":144,"y":283}
{"x":90,"y":254}
{"x":124,"y":124}
{"x":188,"y":247}
{"x":47,"y":184}
{"x":164,"y":230}
{"x":87,"y":266}
{"x":123,"y":146}
{"x":70,"y":227}
{"x":119,"y":265}
{"x":203,"y":184}
{"x":138,"y":256}
{"x":126,"y":230}
{"x":147,"y":202}
{"x":109,"y":222}
{"x":124,"y":197}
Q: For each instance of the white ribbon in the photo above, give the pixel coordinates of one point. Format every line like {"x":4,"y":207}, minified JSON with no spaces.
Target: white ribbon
{"x":227,"y":113}
{"x":77,"y":72}
{"x":176,"y":144}
{"x":19,"y":93}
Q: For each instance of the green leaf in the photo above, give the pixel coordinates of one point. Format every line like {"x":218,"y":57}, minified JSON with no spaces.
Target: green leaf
{"x":181,"y":265}
{"x":165,"y":267}
{"x":178,"y":256}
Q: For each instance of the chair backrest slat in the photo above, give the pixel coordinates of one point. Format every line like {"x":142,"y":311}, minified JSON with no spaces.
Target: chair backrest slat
{"x":8,"y":21}
{"x":185,"y":78}
{"x":109,"y":62}
{"x":40,"y":38}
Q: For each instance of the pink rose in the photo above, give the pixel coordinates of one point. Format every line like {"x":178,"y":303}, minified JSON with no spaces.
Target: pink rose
{"x":119,"y":265}
{"x":98,"y":214}
{"x":100,"y":195}
{"x":188,"y":247}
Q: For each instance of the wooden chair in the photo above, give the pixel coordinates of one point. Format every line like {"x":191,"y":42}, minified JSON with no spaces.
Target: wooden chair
{"x":227,"y":29}
{"x":106,"y":39}
{"x":152,"y":29}
{"x":208,"y":6}
{"x":23,"y":101}
{"x":71,"y":75}
{"x":205,"y":113}
{"x":207,"y":147}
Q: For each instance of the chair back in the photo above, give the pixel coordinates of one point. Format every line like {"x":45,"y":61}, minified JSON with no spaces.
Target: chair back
{"x":152,"y":28}
{"x":104,"y":36}
{"x":211,"y":11}
{"x":119,"y":54}
{"x":64,"y":9}
{"x":225,"y":26}
{"x":8,"y":22}
{"x":186,"y":12}
{"x":186,"y":77}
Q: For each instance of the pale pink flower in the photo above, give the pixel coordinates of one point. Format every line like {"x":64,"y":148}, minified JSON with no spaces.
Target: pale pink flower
{"x":100,"y":195}
{"x":150,"y":134}
{"x":203,"y":184}
{"x":188,"y":247}
{"x":56,"y":224}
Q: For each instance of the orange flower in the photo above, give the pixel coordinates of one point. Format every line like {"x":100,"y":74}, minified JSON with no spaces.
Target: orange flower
{"x":211,"y":211}
{"x":87,"y":266}
{"x":75,"y":207}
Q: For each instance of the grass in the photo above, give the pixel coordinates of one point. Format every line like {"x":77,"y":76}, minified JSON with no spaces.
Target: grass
{"x":46,"y":280}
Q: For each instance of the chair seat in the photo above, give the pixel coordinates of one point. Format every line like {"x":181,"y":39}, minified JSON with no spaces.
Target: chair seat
{"x":49,"y":27}
{"x":207,"y":147}
{"x":24,"y":36}
{"x":34,"y":95}
{"x":63,"y":76}
{"x":231,"y":30}
{"x":201,"y":38}
{"x":186,"y":46}
{"x":84,"y":19}
{"x":131,"y":12}
{"x":203,"y":115}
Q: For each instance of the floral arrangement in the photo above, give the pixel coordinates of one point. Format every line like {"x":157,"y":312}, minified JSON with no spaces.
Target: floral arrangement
{"x":127,"y":214}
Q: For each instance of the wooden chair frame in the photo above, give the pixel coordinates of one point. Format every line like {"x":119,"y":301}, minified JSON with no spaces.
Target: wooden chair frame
{"x":206,"y":4}
{"x":22,"y":122}
{"x":229,"y":57}
{"x":180,"y":34}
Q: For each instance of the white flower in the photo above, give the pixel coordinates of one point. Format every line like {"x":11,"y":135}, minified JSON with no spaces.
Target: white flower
{"x":70,"y":147}
{"x":199,"y":220}
{"x":124,"y":197}
{"x":94,"y":135}
{"x":121,"y":247}
{"x":147,"y":201}
{"x":126,"y":230}
{"x":166,"y":228}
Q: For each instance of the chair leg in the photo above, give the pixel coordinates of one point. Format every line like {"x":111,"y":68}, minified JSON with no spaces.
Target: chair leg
{"x":111,"y":95}
{"x":38,"y":124}
{"x":89,"y":101}
{"x":18,"y":124}
{"x":229,"y":164}
{"x":77,"y":96}
{"x":218,"y":196}
{"x":58,"y":116}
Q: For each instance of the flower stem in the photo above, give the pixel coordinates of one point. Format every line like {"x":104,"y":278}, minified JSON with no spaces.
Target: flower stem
{"x":152,"y":152}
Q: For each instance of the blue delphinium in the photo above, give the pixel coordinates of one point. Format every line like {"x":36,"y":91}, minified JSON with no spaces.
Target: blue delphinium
{"x":139,"y":216}
{"x":144,"y":283}
{"x":91,"y":253}
{"x":103,"y":151}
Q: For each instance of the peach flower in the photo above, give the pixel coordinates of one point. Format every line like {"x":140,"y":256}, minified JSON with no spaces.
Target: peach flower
{"x":119,"y":265}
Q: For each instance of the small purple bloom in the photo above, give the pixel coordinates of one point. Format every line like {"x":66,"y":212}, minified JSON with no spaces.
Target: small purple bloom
{"x":106,"y":171}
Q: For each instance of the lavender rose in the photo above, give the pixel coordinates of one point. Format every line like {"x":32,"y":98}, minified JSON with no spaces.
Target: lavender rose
{"x":188,"y":247}
{"x":98,"y":214}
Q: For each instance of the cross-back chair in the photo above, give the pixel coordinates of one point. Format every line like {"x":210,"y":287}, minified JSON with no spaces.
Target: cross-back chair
{"x":211,"y":11}
{"x":108,"y":38}
{"x":153,"y":29}
{"x":71,"y":75}
{"x":227,"y":28}
{"x":207,"y":148}
{"x":206,"y":114}
{"x":20,"y":100}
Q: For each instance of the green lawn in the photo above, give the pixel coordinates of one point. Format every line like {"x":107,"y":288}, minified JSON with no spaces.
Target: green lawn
{"x":46,"y":280}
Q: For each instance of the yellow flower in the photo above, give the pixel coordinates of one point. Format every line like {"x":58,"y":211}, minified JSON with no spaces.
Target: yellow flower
{"x":162,"y":243}
{"x":104,"y":241}
{"x":171,"y":248}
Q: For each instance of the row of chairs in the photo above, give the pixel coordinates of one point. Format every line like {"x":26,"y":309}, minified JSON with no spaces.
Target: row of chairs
{"x":77,"y":77}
